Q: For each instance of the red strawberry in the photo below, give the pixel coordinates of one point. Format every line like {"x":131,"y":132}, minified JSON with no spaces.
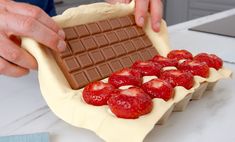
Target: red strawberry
{"x":211,"y":60}
{"x":158,"y":88}
{"x":147,"y":68}
{"x":130,"y":103}
{"x":178,"y":78}
{"x":126,"y":77}
{"x":180,"y":54}
{"x":195,"y":67}
{"x":97,"y":93}
{"x":165,"y":61}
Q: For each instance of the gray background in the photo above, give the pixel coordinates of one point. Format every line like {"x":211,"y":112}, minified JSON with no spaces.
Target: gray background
{"x":176,"y":11}
{"x":72,"y":3}
{"x":183,"y":10}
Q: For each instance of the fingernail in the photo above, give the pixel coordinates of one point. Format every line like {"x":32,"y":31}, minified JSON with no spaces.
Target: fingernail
{"x":61,"y":34}
{"x":61,"y":46}
{"x":141,"y":21}
{"x":157,"y":26}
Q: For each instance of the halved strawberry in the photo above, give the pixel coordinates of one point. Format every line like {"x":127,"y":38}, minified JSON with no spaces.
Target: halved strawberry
{"x":211,"y":60}
{"x":180,"y":54}
{"x":178,"y":78}
{"x":158,"y":88}
{"x":130,"y":103}
{"x":195,"y":67}
{"x":126,"y":76}
{"x":165,"y":61}
{"x":97,"y":93}
{"x":147,"y":68}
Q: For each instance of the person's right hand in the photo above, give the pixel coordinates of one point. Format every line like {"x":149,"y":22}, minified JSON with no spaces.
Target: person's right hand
{"x":155,"y":7}
{"x":18,"y":19}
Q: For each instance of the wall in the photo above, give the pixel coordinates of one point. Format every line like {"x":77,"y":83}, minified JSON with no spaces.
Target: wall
{"x":182,"y":10}
{"x":72,"y":3}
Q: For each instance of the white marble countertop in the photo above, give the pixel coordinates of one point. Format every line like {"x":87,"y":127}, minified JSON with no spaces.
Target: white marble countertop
{"x":23,"y":110}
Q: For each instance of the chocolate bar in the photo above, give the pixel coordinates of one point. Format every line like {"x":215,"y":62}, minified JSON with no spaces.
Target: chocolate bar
{"x":95,"y":50}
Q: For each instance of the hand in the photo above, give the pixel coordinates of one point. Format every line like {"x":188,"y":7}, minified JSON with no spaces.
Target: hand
{"x":18,"y":19}
{"x":141,"y":9}
{"x":121,"y":1}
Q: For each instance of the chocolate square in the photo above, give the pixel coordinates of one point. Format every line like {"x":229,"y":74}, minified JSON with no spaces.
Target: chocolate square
{"x":139,"y":30}
{"x":104,"y":26}
{"x":104,"y":70}
{"x":67,"y":52}
{"x":114,"y":23}
{"x":76,"y":46}
{"x":132,"y":19}
{"x":119,"y":49}
{"x":126,"y":61}
{"x":153,"y":51}
{"x":92,"y":74}
{"x":128,"y":46}
{"x":101,"y":40}
{"x":96,"y":56}
{"x":82,"y":31}
{"x":145,"y":55}
{"x":125,"y":21}
{"x":111,"y":37}
{"x":146,"y":41}
{"x":121,"y":34}
{"x":93,"y":28}
{"x":84,"y":60}
{"x":115,"y":65}
{"x":136,"y":57}
{"x":70,"y":33}
{"x":131,"y":32}
{"x":71,"y":64}
{"x":138,"y":43}
{"x":79,"y":79}
{"x":108,"y":52}
{"x":89,"y":43}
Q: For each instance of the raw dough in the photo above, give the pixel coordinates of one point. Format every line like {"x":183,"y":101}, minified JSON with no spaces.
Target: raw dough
{"x":67,"y":103}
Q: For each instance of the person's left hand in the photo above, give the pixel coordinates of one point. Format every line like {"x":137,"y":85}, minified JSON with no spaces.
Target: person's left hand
{"x":142,"y":7}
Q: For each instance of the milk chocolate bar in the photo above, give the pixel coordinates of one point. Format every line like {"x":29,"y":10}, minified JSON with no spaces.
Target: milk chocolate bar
{"x":95,"y":50}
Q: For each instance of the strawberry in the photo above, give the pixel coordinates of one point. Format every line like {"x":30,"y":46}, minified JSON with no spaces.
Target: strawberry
{"x":97,"y":93}
{"x":147,"y":68}
{"x":218,"y":62}
{"x":178,"y":78}
{"x":180,"y":54}
{"x":130,"y":103}
{"x":211,"y":60}
{"x":126,"y":77}
{"x":165,"y":61}
{"x":195,"y":67}
{"x":158,"y":88}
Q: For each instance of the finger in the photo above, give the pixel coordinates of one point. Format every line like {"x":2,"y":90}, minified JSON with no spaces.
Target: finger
{"x":2,"y":3}
{"x":10,"y":69}
{"x":116,"y":1}
{"x":127,"y":1}
{"x":27,"y":26}
{"x":156,"y":9}
{"x":19,"y":56}
{"x":141,"y":9}
{"x":36,"y":13}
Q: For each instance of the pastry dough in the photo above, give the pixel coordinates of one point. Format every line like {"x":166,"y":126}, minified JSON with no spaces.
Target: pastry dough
{"x":68,"y":105}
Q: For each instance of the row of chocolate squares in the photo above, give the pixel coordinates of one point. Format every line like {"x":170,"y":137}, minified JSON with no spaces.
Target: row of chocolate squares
{"x":98,"y":56}
{"x":86,"y":44}
{"x":83,"y":71}
{"x":100,"y":27}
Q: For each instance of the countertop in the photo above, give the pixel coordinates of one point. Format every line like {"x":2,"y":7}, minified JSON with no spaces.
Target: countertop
{"x":23,"y":110}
